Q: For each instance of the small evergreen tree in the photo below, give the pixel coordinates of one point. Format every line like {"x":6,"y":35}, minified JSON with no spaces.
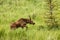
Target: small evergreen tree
{"x":51,"y":18}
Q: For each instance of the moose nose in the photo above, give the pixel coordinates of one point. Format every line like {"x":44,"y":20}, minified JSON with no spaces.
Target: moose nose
{"x":33,"y":23}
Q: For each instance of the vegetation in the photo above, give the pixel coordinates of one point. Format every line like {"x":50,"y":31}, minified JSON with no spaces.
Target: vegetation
{"x":39,"y":10}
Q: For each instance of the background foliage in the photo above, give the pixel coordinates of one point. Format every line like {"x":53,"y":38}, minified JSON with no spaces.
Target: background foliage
{"x":12,"y":10}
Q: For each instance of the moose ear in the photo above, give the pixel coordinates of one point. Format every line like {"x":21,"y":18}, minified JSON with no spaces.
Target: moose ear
{"x":29,"y":17}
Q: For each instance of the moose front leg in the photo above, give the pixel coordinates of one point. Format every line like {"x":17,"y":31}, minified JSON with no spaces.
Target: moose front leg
{"x":26,"y":28}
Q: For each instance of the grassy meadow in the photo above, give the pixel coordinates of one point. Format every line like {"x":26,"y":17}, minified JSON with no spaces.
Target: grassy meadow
{"x":12,"y":10}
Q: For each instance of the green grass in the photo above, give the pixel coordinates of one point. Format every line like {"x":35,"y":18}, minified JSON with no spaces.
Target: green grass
{"x":12,"y":10}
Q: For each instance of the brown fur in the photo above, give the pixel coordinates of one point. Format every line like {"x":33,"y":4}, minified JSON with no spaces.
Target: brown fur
{"x":21,"y":23}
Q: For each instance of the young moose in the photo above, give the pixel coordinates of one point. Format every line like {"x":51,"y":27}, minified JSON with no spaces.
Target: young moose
{"x":21,"y":23}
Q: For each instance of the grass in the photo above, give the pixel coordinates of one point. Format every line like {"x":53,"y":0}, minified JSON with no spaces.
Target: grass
{"x":12,"y":10}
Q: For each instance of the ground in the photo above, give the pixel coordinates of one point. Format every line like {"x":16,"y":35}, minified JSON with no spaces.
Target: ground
{"x":12,"y":10}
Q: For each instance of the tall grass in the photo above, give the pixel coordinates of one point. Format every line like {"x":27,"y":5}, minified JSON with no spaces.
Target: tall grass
{"x":12,"y":10}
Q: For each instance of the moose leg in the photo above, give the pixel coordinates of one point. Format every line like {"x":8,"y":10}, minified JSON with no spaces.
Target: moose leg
{"x":26,"y":28}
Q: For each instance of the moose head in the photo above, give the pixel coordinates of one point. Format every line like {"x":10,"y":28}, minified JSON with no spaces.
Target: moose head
{"x":30,"y":21}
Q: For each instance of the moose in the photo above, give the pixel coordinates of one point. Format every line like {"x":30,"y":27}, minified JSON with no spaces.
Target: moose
{"x":21,"y":23}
